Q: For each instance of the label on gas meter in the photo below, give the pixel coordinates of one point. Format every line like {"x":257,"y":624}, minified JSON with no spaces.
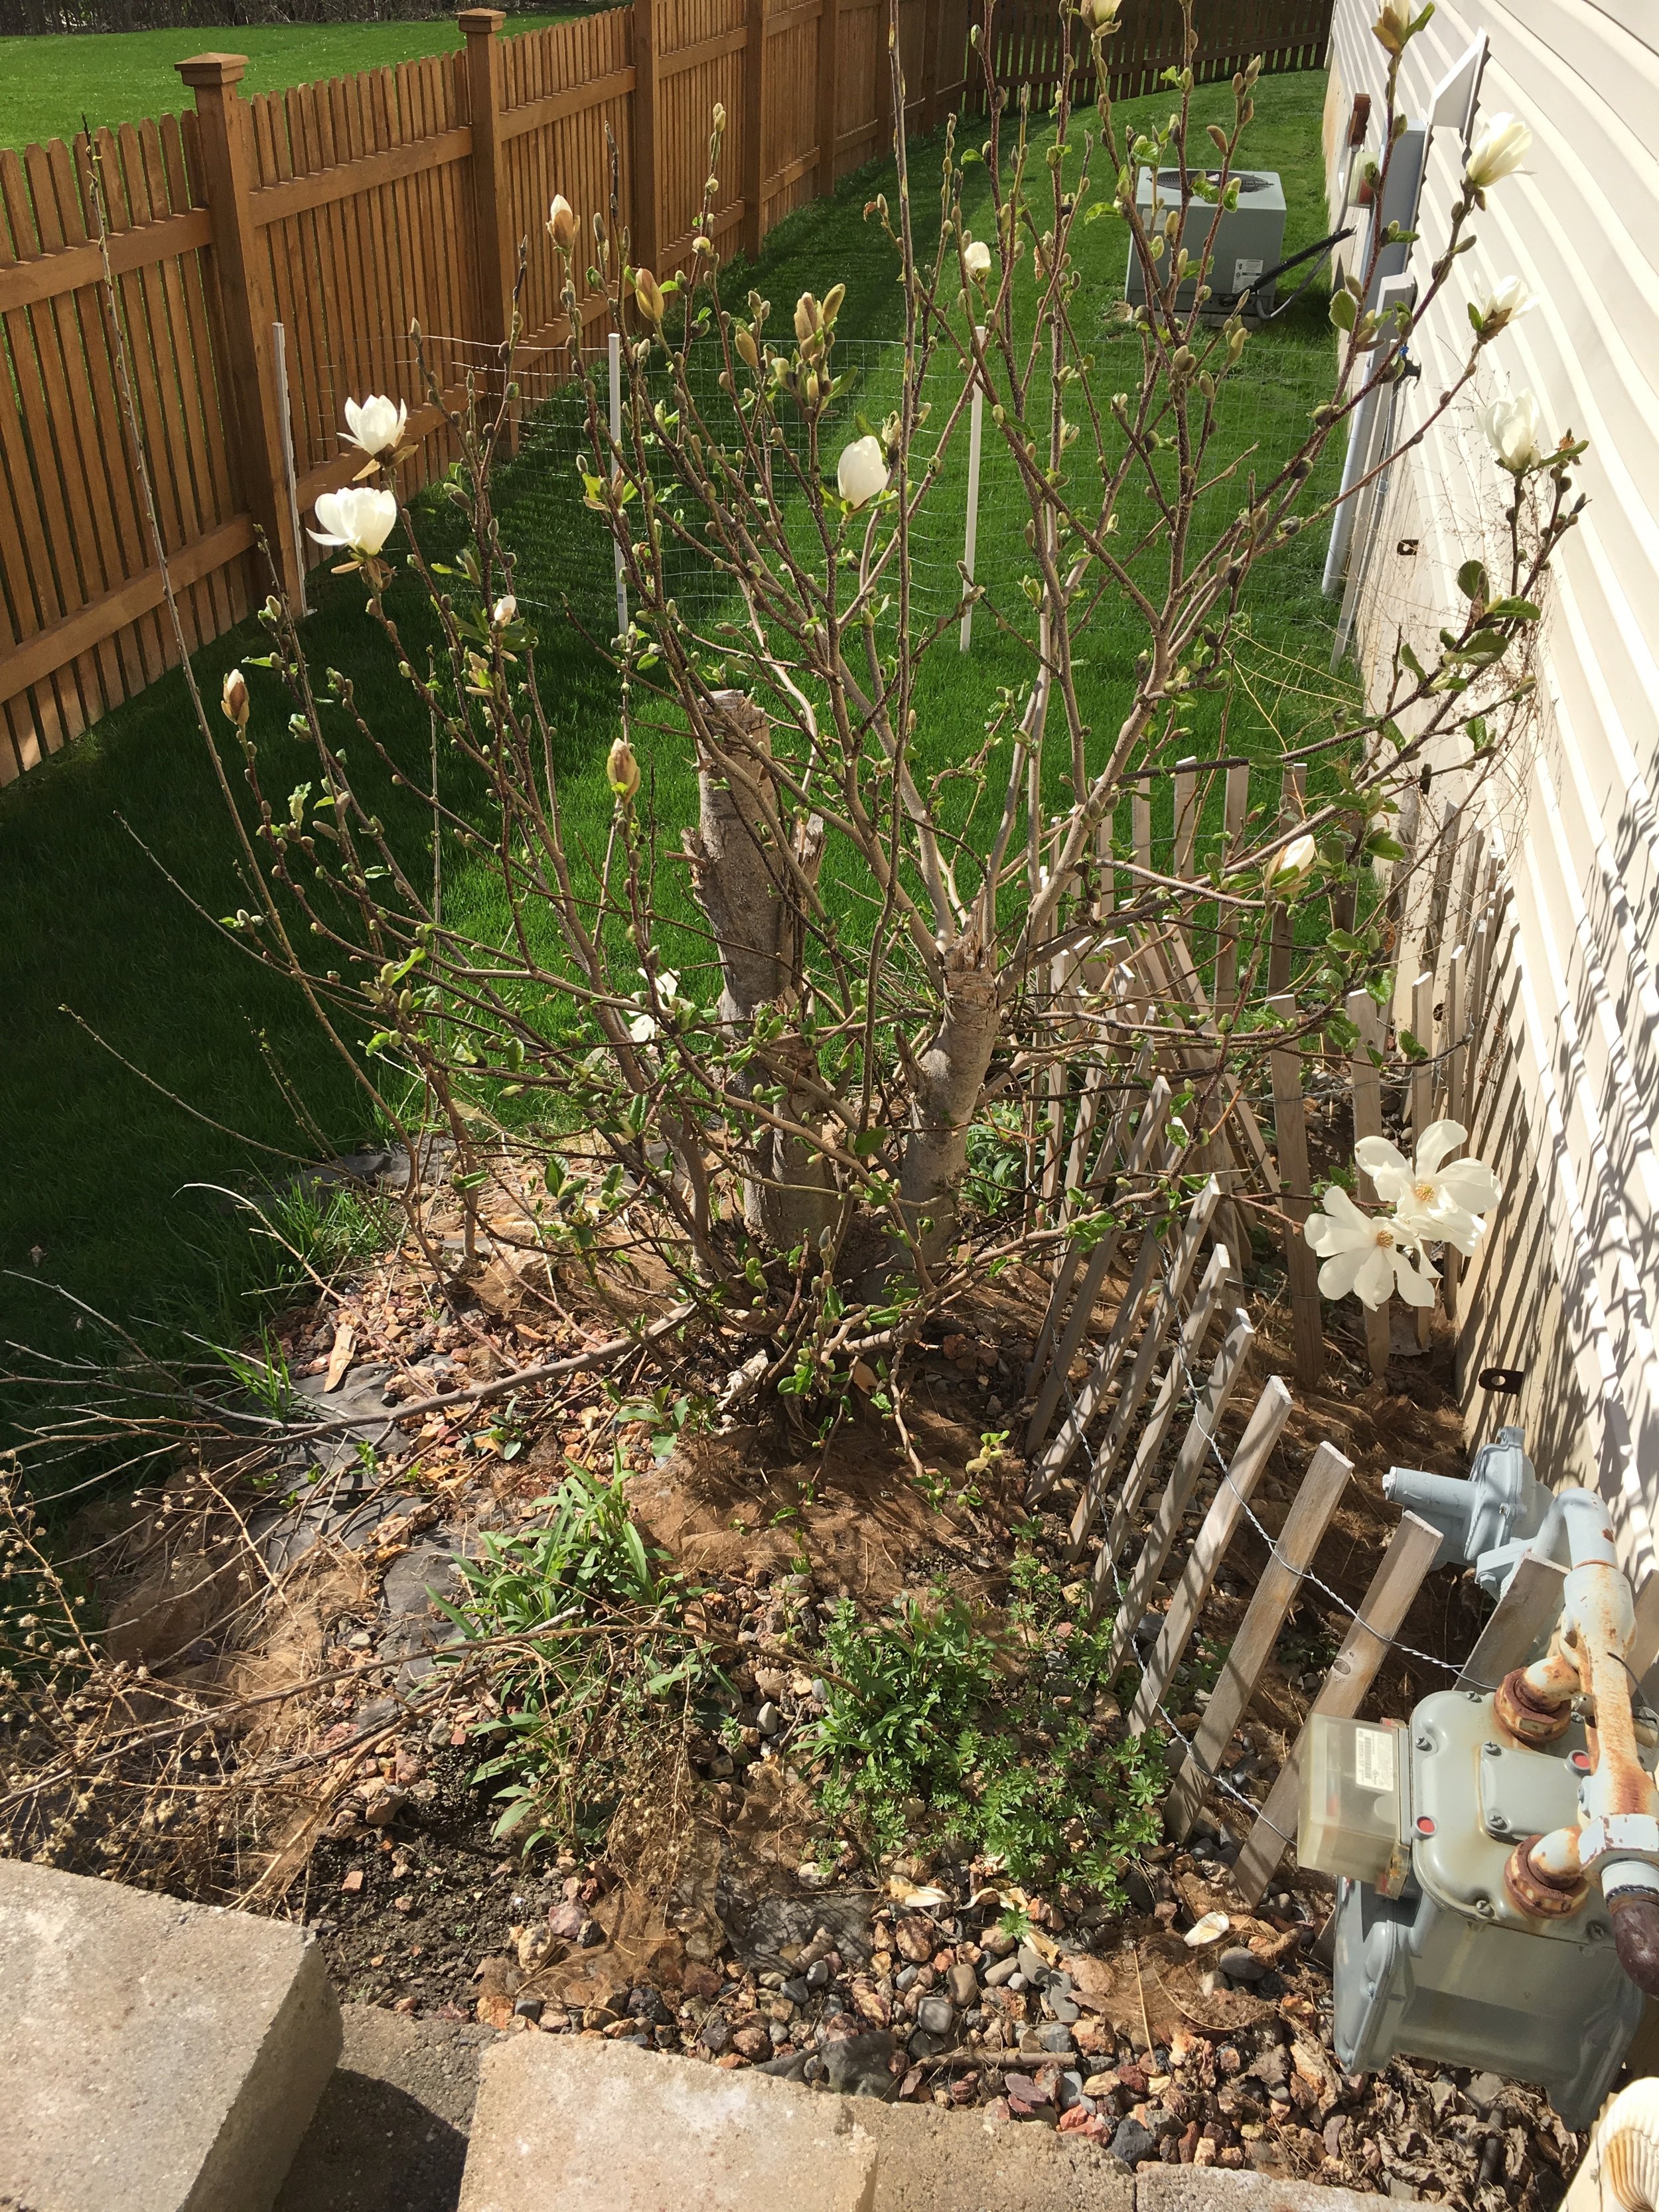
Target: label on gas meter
{"x":1373,"y":1759}
{"x":1245,"y":272}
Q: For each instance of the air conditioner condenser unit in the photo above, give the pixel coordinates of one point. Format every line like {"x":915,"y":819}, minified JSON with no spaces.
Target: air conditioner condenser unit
{"x":1249,"y":239}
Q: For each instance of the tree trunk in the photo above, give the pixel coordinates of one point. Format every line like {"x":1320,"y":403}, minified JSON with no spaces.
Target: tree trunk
{"x":751,"y":899}
{"x":948,"y":1077}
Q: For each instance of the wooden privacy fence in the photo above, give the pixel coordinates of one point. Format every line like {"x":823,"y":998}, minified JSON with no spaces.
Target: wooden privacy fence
{"x":269,"y":255}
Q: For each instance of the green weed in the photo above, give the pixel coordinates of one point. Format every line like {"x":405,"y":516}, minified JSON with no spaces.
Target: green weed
{"x":936,"y":1728}
{"x":600,"y":1653}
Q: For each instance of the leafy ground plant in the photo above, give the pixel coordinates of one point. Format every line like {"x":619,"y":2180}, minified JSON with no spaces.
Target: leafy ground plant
{"x":938,"y":1729}
{"x":601,"y":1661}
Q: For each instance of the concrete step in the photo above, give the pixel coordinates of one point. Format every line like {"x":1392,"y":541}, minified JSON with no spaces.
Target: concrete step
{"x":392,"y":2136}
{"x":155,"y":2056}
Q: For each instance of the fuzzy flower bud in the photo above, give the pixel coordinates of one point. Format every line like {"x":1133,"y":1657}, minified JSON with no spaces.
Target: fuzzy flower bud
{"x":233,"y":700}
{"x":648,"y":293}
{"x":561,"y":223}
{"x":623,"y":770}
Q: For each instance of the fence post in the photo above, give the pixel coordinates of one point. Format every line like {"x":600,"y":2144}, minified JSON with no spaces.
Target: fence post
{"x":493,"y":251}
{"x":245,"y":307}
{"x":930,"y":45}
{"x":828,"y":94}
{"x":643,"y":228}
{"x":753,"y":123}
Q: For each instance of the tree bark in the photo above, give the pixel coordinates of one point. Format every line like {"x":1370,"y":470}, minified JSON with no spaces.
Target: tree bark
{"x":753,"y":898}
{"x":948,"y":1077}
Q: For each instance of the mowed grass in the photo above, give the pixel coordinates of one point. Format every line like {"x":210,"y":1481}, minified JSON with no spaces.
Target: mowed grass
{"x":104,"y":1164}
{"x":48,"y":85}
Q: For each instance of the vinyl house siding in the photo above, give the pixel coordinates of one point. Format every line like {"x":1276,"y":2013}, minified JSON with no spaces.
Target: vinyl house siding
{"x":1569,"y":1286}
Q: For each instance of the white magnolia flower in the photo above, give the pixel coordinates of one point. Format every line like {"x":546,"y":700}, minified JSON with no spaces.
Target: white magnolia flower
{"x":1298,"y":857}
{"x":1512,"y":431}
{"x":976,"y":254}
{"x":644,"y":1026}
{"x":1503,"y":303}
{"x":561,"y":223}
{"x":376,"y":423}
{"x":357,"y":518}
{"x":1371,"y":1255}
{"x":1498,"y":152}
{"x":862,"y":471}
{"x":234,"y":699}
{"x":1103,"y":14}
{"x":505,"y":610}
{"x":1442,"y":1202}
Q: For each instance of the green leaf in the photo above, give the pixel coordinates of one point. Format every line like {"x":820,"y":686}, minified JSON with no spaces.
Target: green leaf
{"x":1473,"y":581}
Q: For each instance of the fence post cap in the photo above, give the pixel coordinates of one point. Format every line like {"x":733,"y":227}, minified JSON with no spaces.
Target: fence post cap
{"x":481,"y":22}
{"x":212,"y":68}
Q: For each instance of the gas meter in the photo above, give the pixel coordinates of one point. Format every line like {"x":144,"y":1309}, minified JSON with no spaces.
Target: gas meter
{"x":1497,"y":1856}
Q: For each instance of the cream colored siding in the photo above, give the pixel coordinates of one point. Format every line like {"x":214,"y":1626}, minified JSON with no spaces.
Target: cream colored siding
{"x":1570,"y":1287}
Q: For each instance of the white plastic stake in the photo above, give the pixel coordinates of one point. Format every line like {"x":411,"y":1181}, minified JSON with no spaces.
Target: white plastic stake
{"x":616,"y":470}
{"x":284,"y":422}
{"x":976,"y":432}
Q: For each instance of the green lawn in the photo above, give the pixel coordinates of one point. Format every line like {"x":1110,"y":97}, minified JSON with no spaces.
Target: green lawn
{"x":99,"y":1161}
{"x":47,"y":85}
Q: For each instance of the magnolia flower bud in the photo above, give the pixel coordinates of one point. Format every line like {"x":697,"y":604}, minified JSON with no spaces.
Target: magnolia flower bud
{"x":1294,"y":862}
{"x":1103,"y":14}
{"x":1393,"y":25}
{"x":357,"y":518}
{"x":1512,"y":432}
{"x":505,"y":610}
{"x":377,"y":425}
{"x":832,"y":300}
{"x":748,"y":351}
{"x":806,"y":317}
{"x":1498,"y":152}
{"x":234,"y":699}
{"x":861,"y":474}
{"x":977,"y":257}
{"x":1502,"y":304}
{"x":648,"y":293}
{"x":561,"y":223}
{"x":623,"y":770}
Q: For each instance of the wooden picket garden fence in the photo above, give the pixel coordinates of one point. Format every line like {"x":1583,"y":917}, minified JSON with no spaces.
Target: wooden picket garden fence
{"x":1107,"y":1405}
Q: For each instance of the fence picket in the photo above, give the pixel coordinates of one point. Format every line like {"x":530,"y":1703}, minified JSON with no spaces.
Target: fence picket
{"x":1091,"y":1392}
{"x":1208,"y":1406}
{"x":1188,"y":1346}
{"x":1244,"y":1469}
{"x":1305,"y":1524}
